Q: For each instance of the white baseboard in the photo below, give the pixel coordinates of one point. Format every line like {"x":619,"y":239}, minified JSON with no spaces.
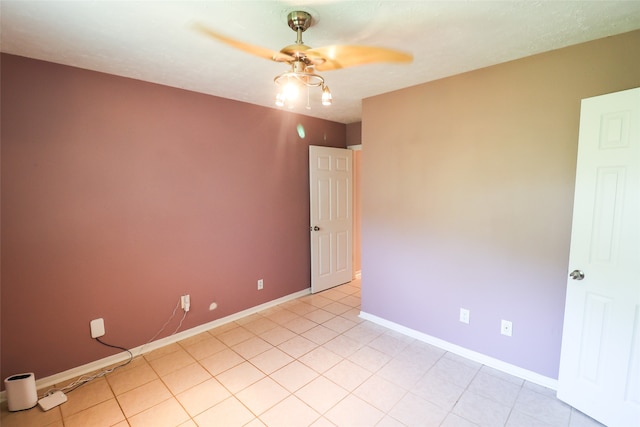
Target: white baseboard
{"x":62,"y":377}
{"x":466,"y":353}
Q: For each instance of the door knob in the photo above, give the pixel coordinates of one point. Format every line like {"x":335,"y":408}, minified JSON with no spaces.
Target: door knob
{"x":316,"y":228}
{"x":577,"y":275}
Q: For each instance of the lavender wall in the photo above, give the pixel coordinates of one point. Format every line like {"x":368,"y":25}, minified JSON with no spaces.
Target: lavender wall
{"x":467,"y":188}
{"x":118,"y":196}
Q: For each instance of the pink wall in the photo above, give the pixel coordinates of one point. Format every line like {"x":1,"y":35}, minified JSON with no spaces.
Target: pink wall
{"x":118,"y":196}
{"x":467,"y":194}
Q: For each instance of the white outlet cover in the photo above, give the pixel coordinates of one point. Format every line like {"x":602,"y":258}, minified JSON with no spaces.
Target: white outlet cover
{"x":506,"y":328}
{"x":464,"y":315}
{"x":97,"y":328}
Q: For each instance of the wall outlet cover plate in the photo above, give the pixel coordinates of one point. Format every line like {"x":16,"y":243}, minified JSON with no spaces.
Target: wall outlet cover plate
{"x":97,"y":328}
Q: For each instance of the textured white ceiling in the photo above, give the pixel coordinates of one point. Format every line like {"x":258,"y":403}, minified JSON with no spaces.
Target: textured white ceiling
{"x":154,"y":41}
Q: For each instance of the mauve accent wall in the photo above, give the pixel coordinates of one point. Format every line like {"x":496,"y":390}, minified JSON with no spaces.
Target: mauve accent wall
{"x":118,"y":196}
{"x":467,"y":197}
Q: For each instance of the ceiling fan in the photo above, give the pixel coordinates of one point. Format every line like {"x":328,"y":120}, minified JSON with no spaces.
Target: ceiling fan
{"x":305,"y":61}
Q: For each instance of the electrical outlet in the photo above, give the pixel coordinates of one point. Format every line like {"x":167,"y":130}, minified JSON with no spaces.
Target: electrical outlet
{"x":260,"y":284}
{"x":506,"y":328}
{"x":464,"y":315}
{"x":185,"y":302}
{"x":97,"y":328}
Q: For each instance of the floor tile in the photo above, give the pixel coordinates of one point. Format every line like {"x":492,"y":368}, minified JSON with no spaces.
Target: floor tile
{"x":203,"y":396}
{"x":260,"y":325}
{"x":454,"y":371}
{"x":144,"y":397}
{"x":390,"y":344}
{"x":235,"y":336}
{"x":271,"y":360}
{"x":320,"y":334}
{"x":343,"y":346}
{"x":353,"y":315}
{"x":300,"y":325}
{"x":240,"y":377}
{"x":336,"y":308}
{"x":294,"y":375}
{"x":320,"y":359}
{"x":454,"y":420}
{"x":353,"y":411}
{"x":347,"y":375}
{"x":171,"y":362}
{"x":86,"y":396}
{"x":323,"y":422}
{"x":277,"y":335}
{"x":494,"y":388}
{"x":380,"y":393}
{"x":364,"y":333}
{"x":185,"y":378}
{"x":339,"y":324}
{"x":438,"y":391}
{"x":103,"y":414}
{"x":222,"y":361}
{"x":321,"y":394}
{"x":282,"y":316}
{"x":228,"y":413}
{"x":162,"y":351}
{"x":422,"y":353}
{"x":502,"y":375}
{"x":412,"y":410}
{"x":388,"y":421}
{"x":543,"y":407}
{"x":262,"y":395}
{"x":319,"y":316}
{"x":519,"y":419}
{"x":251,"y":347}
{"x":297,"y":346}
{"x":166,"y":414}
{"x":480,"y":410}
{"x":291,"y":410}
{"x":301,"y":308}
{"x":578,"y":419}
{"x":317,"y":300}
{"x":403,"y":373}
{"x":124,"y":380}
{"x":205,"y":347}
{"x":370,"y":358}
{"x":33,"y":417}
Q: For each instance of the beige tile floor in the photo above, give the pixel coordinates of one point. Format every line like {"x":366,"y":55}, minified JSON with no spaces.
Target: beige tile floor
{"x":308,"y":362}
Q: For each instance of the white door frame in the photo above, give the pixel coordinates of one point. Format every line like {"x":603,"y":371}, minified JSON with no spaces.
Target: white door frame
{"x":331,"y":216}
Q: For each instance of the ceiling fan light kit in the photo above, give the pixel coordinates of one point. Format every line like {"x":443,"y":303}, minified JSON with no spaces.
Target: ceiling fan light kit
{"x":305,"y":61}
{"x":301,"y":75}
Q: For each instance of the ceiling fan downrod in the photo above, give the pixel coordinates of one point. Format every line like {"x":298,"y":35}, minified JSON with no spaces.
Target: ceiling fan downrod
{"x":299,"y":21}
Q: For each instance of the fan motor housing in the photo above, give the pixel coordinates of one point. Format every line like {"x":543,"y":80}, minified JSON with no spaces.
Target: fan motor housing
{"x":299,"y":20}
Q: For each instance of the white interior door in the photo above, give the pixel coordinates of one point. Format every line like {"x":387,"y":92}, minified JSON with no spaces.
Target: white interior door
{"x":600,"y":361}
{"x":330,"y":185}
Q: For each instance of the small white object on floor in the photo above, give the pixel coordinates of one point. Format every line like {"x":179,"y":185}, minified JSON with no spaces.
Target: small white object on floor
{"x":51,"y":401}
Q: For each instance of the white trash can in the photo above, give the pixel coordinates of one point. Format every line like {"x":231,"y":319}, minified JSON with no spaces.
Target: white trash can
{"x":21,"y":391}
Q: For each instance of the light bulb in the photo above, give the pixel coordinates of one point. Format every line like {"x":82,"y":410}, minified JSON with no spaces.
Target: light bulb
{"x":290,"y":91}
{"x":327,"y":99}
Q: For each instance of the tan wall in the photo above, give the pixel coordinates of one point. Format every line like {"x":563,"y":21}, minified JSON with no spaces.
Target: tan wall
{"x":467,"y":190}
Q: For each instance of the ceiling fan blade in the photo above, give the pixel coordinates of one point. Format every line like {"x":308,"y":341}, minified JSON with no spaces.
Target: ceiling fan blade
{"x":262,"y":52}
{"x":343,"y":56}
